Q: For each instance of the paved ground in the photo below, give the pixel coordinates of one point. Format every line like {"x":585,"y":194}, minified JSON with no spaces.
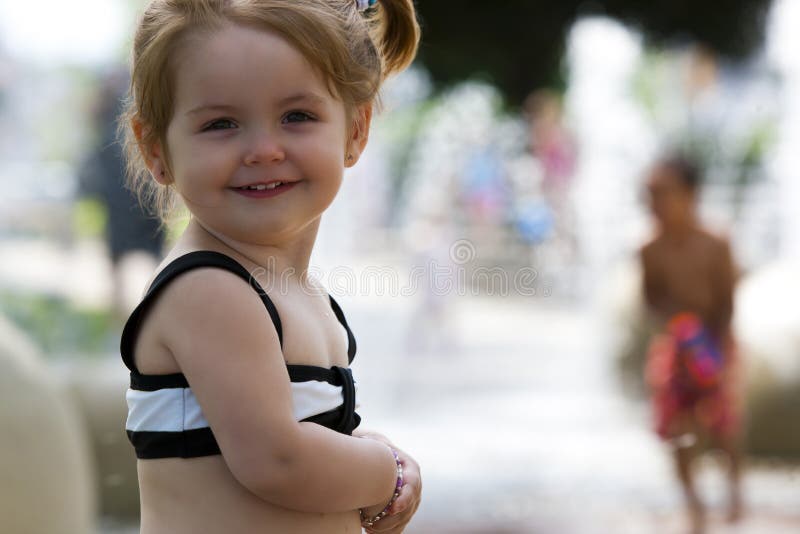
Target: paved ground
{"x":523,"y":430}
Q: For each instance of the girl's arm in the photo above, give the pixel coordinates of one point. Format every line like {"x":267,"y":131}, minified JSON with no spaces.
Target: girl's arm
{"x":225,"y":344}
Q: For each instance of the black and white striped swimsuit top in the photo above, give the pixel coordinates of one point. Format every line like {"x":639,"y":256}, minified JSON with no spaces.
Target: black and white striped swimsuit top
{"x":164,"y":417}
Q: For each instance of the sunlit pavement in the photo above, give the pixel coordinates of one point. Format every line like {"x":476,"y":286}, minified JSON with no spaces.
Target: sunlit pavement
{"x":522,"y":428}
{"x":516,"y":421}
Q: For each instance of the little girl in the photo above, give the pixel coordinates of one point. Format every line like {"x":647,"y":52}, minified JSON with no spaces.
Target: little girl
{"x":241,"y":401}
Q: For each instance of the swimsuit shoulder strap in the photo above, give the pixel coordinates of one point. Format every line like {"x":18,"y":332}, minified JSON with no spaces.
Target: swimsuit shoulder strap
{"x":182,"y":264}
{"x":351,"y":339}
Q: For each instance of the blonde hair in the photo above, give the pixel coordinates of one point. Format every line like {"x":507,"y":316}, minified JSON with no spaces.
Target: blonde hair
{"x":353,"y":51}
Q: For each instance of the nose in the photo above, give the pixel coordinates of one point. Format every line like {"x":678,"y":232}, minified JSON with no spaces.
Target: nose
{"x":264,"y":147}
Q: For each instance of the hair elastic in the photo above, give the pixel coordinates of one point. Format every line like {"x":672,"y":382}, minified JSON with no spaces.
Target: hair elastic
{"x":363,"y":5}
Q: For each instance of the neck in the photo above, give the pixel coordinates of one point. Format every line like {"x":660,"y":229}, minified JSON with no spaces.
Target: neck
{"x":678,"y":230}
{"x":287,"y":259}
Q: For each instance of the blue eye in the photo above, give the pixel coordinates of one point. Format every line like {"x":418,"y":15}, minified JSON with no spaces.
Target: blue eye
{"x":219,"y":124}
{"x":297,"y":116}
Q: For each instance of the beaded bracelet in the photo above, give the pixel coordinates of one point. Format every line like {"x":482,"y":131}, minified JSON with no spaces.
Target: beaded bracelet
{"x":369,"y":522}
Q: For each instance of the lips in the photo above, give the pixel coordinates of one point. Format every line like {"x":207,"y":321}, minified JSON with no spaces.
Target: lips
{"x":264,"y":189}
{"x":263,"y":186}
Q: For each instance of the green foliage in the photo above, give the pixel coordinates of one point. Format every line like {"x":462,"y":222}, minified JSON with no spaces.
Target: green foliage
{"x":89,"y":218}
{"x":400,"y":131}
{"x":647,"y":81}
{"x":730,"y":150}
{"x":57,"y":326}
{"x":761,"y":139}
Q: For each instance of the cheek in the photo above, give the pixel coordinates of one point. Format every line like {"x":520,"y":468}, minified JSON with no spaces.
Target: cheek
{"x":326,"y":168}
{"x":198,"y":162}
{"x":324,"y":155}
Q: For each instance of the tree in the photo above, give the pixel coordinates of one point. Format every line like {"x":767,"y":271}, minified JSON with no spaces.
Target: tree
{"x":519,"y":44}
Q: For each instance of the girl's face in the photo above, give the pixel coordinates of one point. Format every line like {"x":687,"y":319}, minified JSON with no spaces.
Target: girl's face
{"x":249,"y":109}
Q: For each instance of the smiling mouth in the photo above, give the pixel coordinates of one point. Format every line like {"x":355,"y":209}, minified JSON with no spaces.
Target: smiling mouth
{"x":261,"y":187}
{"x":264,"y":190}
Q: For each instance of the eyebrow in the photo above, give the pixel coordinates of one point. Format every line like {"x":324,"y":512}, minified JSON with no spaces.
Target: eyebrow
{"x":299,"y":97}
{"x":207,"y":107}
{"x":293,"y":99}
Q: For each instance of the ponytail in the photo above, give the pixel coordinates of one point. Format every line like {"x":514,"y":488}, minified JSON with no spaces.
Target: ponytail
{"x":395,"y":31}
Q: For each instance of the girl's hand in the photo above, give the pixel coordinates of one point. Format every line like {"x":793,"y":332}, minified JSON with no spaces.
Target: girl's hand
{"x":404,"y":508}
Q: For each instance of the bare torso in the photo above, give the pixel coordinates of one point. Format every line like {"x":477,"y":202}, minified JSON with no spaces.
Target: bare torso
{"x":200,"y":495}
{"x":691,"y":273}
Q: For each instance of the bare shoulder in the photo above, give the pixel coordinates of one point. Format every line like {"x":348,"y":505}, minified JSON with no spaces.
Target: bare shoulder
{"x":193,"y":300}
{"x":210,"y":298}
{"x":716,"y":243}
{"x":171,"y":256}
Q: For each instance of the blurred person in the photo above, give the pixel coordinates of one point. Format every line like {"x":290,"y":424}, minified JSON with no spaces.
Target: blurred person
{"x":128,"y":228}
{"x":242,"y":403}
{"x":689,"y":278}
{"x":552,"y":143}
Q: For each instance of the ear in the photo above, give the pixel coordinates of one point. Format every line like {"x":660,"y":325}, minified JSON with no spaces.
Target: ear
{"x":153,"y":155}
{"x":359,"y":134}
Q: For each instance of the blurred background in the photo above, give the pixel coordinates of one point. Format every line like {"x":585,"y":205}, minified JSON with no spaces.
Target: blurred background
{"x":511,"y":160}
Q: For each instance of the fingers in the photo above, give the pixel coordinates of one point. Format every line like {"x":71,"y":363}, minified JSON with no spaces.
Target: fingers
{"x":394,"y":524}
{"x":407,"y":502}
{"x":403,"y":501}
{"x":401,"y":512}
{"x":388,"y":526}
{"x":409,"y":495}
{"x":411,"y":491}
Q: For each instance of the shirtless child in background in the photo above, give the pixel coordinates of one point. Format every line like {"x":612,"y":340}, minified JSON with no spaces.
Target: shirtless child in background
{"x":689,"y":271}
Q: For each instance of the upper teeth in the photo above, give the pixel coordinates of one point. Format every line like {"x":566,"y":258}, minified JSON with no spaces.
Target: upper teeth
{"x":261,"y":187}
